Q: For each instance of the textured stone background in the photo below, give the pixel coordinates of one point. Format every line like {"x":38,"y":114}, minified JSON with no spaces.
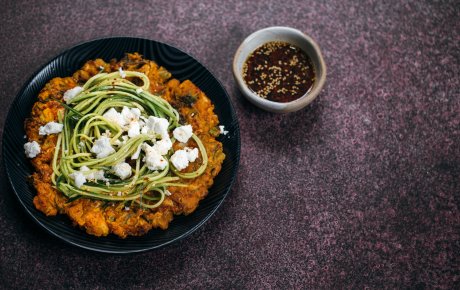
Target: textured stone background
{"x":360,"y":189}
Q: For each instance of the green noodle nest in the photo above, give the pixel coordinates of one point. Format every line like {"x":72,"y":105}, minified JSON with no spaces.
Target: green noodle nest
{"x":83,"y":123}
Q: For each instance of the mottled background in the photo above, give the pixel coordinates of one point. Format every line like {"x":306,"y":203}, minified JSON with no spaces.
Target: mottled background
{"x":360,"y":189}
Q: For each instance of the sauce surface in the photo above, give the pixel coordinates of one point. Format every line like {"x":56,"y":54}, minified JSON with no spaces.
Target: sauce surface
{"x":279,"y":71}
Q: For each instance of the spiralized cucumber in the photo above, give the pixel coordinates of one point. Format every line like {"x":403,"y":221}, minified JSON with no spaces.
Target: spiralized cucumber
{"x":84,"y":123}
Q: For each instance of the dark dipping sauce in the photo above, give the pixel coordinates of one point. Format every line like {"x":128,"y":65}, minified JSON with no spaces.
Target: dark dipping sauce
{"x":279,"y":71}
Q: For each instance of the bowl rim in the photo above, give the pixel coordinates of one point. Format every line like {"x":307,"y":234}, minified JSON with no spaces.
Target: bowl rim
{"x":273,"y":106}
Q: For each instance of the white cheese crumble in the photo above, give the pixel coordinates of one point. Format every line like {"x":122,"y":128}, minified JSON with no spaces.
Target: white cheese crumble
{"x":153,"y":159}
{"x":222,"y":130}
{"x":163,"y":146}
{"x":134,"y":129}
{"x":102,"y":147}
{"x":155,"y":125}
{"x":183,"y":133}
{"x":122,"y":170}
{"x":139,"y":90}
{"x":130,"y":114}
{"x":92,"y":174}
{"x":113,"y":116}
{"x":50,"y":128}
{"x":126,"y":119}
{"x":122,"y":73}
{"x":84,"y":174}
{"x":179,"y":159}
{"x":72,"y":93}
{"x":32,"y":149}
{"x":192,"y":154}
{"x":78,"y":177}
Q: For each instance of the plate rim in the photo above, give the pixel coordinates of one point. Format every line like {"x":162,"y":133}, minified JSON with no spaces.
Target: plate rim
{"x":131,"y":251}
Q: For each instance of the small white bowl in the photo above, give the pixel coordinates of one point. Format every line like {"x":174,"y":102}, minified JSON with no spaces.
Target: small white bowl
{"x":289,"y":35}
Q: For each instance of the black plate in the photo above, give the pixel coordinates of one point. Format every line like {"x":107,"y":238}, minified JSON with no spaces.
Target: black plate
{"x":182,"y":66}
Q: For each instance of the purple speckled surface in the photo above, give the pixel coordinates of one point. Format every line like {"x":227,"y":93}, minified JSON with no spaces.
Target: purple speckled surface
{"x":360,"y":189}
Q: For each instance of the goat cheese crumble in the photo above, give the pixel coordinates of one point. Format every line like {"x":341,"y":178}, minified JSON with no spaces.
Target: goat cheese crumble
{"x":130,"y":114}
{"x":113,"y":116}
{"x":125,"y":119}
{"x":162,"y":146}
{"x":134,"y":129}
{"x":50,"y":128}
{"x":155,"y":125}
{"x":92,"y":174}
{"x":153,"y":159}
{"x":78,"y":178}
{"x":84,"y":174}
{"x":71,"y":94}
{"x":192,"y":154}
{"x":183,"y":133}
{"x":102,"y":147}
{"x":181,"y":158}
{"x":122,"y":170}
{"x":32,"y":149}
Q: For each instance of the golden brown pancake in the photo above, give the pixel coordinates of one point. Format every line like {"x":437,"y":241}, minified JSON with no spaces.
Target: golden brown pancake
{"x":100,"y":218}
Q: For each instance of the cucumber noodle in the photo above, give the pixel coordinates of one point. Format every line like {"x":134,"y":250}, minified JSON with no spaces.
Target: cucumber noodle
{"x":83,"y":123}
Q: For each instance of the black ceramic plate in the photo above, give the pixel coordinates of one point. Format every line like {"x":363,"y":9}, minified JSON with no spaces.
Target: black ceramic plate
{"x":182,"y":66}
